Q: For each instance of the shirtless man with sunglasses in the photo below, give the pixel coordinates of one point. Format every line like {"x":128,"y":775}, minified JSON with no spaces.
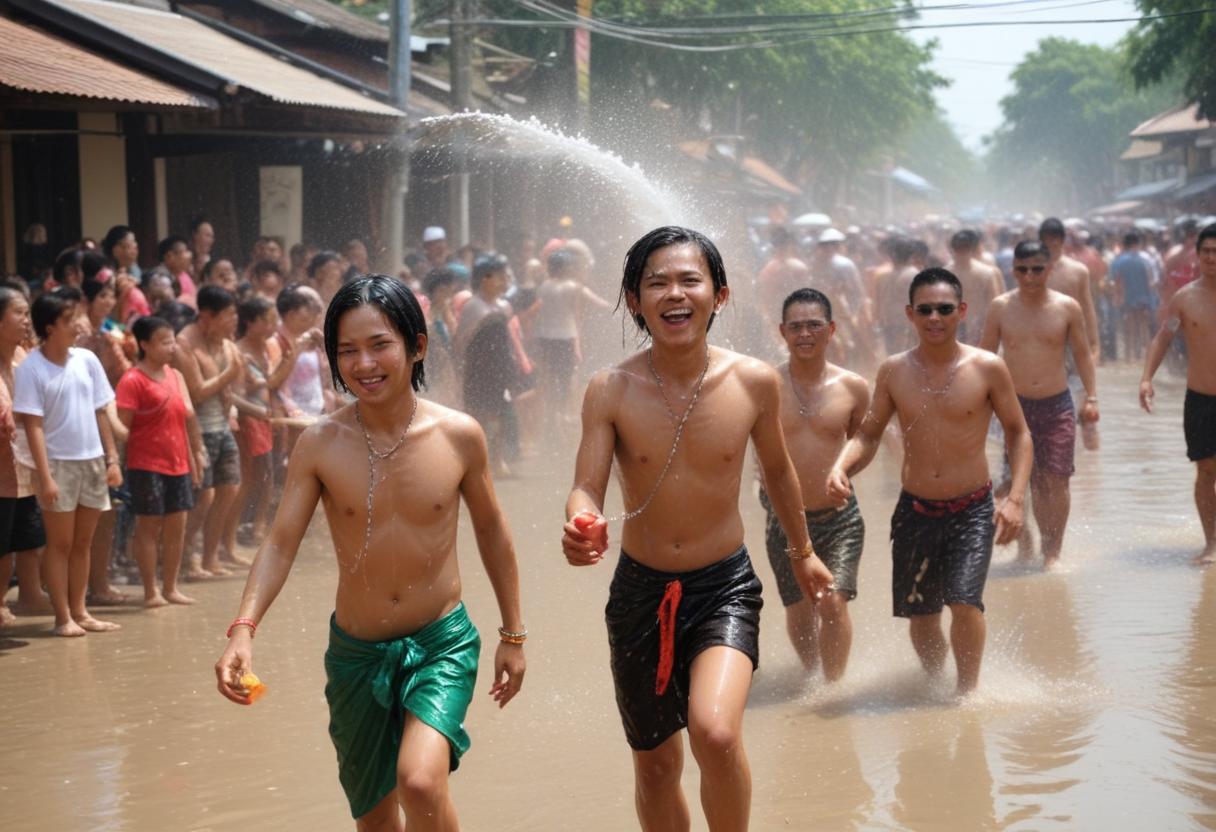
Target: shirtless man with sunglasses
{"x":945,"y":393}
{"x":1034,"y":325}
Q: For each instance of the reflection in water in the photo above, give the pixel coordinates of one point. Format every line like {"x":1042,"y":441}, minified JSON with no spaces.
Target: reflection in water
{"x":1191,"y":711}
{"x":932,"y":767}
{"x":1041,"y":750}
{"x":1097,"y":706}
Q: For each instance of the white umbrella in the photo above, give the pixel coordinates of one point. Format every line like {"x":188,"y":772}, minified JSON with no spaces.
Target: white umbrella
{"x":813,"y":220}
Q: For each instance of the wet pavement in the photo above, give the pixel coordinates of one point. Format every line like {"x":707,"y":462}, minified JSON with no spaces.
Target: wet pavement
{"x":1096,"y":708}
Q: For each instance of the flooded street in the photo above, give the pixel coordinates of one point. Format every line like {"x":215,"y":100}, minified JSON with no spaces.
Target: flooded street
{"x":1096,"y":708}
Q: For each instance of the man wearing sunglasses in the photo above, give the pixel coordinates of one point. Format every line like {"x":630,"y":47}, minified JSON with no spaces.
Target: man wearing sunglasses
{"x":942,"y":532}
{"x":1035,"y":325}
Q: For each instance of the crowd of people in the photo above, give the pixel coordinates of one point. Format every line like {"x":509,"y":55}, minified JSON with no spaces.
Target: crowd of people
{"x":153,"y":413}
{"x":196,"y":377}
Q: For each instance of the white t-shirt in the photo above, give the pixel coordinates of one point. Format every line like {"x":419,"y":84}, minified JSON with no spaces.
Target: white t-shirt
{"x":67,"y":398}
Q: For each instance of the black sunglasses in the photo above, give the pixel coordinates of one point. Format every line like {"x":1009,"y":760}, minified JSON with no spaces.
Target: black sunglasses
{"x":943,"y":309}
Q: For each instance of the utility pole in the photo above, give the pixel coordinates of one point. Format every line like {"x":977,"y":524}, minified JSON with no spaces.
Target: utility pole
{"x":460,"y":55}
{"x":398,"y":184}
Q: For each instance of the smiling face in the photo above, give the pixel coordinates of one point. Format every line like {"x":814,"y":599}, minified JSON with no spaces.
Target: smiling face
{"x":372,"y":357}
{"x":807,"y":330}
{"x":103,"y":304}
{"x":944,"y":313}
{"x":676,"y":297}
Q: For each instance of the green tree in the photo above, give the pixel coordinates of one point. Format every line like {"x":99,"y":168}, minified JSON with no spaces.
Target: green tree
{"x":1181,"y":45}
{"x":931,"y":148}
{"x":1066,"y":122}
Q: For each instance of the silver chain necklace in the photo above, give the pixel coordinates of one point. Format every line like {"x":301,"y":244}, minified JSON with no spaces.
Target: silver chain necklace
{"x":675,"y":444}
{"x":802,"y":408}
{"x":372,"y":457}
{"x":927,"y":389}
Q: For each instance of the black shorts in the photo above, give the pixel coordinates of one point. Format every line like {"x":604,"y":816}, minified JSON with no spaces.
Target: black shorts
{"x":718,"y":604}
{"x":157,"y":494}
{"x":838,"y":535}
{"x":1199,"y":425}
{"x":21,"y":527}
{"x":940,"y":551}
{"x":225,"y":459}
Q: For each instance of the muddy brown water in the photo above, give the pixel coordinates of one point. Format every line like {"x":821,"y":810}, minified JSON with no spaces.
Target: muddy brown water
{"x":1097,"y":707}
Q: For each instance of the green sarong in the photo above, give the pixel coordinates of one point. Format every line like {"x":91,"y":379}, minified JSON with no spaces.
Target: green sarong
{"x":371,"y":684}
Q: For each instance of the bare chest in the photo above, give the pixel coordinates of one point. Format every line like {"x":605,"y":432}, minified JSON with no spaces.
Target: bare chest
{"x":713,"y":438}
{"x":418,"y":486}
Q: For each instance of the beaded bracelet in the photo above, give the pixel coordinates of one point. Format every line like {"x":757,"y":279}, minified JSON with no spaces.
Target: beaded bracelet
{"x":243,"y":622}
{"x":512,"y":638}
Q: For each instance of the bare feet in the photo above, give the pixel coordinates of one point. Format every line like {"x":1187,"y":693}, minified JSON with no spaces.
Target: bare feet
{"x":68,"y":629}
{"x":1205,"y":558}
{"x":110,"y":597}
{"x":7,"y":619}
{"x":233,"y":559}
{"x":92,"y":625}
{"x":176,"y":597}
{"x":195,"y":572}
{"x":153,"y":601}
{"x":36,"y":606}
{"x":216,"y":571}
{"x":1051,"y":564}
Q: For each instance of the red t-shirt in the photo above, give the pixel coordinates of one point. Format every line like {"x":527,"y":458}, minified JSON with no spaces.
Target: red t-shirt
{"x":158,"y":430}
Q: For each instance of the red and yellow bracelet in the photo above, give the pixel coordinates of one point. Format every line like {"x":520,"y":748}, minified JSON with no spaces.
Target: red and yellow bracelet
{"x":243,"y":622}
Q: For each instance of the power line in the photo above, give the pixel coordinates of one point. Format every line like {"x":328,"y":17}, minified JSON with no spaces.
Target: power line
{"x":798,"y":35}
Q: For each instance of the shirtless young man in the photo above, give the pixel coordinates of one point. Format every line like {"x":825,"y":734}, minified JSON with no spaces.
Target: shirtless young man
{"x":981,"y":282}
{"x":1072,"y":278}
{"x":1193,"y":310}
{"x":1034,"y":325}
{"x":945,"y":394}
{"x":684,"y":607}
{"x":784,"y":272}
{"x":822,"y":406}
{"x":211,"y":364}
{"x":398,"y":602}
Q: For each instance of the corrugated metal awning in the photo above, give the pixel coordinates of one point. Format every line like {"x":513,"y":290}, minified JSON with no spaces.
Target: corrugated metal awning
{"x":1148,"y":190}
{"x":221,"y":56}
{"x":1197,"y":186}
{"x":37,"y":62}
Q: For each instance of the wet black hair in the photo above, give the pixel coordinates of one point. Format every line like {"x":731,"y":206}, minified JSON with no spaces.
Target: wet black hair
{"x":932,"y":277}
{"x":250,"y":310}
{"x":780,"y":236}
{"x":1132,"y":238}
{"x":1208,"y":233}
{"x":437,"y":279}
{"x":214,"y":299}
{"x":399,"y":307}
{"x":292,"y":298}
{"x":1051,"y":227}
{"x":113,"y":237}
{"x":964,"y":240}
{"x":659,"y":238}
{"x":261,"y":267}
{"x":91,"y":264}
{"x":166,"y":245}
{"x":69,"y":258}
{"x":486,"y":265}
{"x":320,"y":260}
{"x":561,"y":261}
{"x":92,"y":288}
{"x":1026,"y":249}
{"x":807,"y":295}
{"x":144,"y":328}
{"x":48,"y":308}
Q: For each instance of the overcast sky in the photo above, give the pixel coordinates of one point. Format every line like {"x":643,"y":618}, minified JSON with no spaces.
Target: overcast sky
{"x":978,"y":60}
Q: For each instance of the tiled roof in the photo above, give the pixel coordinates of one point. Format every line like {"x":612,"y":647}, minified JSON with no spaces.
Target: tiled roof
{"x":241,"y":65}
{"x":35,"y":61}
{"x":1178,"y":120}
{"x":327,"y":15}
